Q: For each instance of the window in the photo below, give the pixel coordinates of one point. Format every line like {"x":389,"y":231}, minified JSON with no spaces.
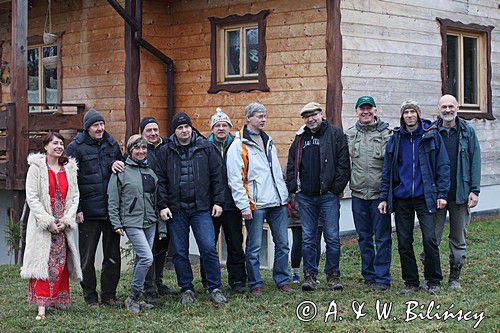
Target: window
{"x":44,"y":71}
{"x":466,"y":67}
{"x":238,"y":53}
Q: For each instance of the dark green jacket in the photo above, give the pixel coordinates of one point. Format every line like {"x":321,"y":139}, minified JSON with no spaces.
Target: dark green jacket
{"x":468,"y":163}
{"x":129,"y":205}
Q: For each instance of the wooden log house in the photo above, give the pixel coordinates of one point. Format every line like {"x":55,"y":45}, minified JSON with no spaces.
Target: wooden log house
{"x":135,"y":58}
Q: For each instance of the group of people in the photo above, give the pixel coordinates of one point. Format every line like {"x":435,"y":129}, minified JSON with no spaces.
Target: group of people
{"x":164,"y":187}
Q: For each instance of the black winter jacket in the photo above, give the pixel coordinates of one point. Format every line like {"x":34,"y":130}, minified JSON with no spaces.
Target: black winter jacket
{"x":335,"y":169}
{"x":207,"y":167}
{"x":94,"y":160}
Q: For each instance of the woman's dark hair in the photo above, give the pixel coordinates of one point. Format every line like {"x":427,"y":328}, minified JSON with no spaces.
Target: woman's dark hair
{"x":48,"y":138}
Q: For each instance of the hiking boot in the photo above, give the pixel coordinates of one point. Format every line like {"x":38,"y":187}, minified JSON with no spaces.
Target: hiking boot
{"x":256,"y":292}
{"x":453,"y":281}
{"x":164,"y":290}
{"x":238,"y":289}
{"x":218,"y":297}
{"x":432,"y":289}
{"x":93,"y":305}
{"x":285,"y":288}
{"x":333,"y":281}
{"x":152,"y":298}
{"x":409,"y":290}
{"x":368,"y":283}
{"x":132,"y":304}
{"x":309,"y":282}
{"x":187,"y":297}
{"x":377,"y":286}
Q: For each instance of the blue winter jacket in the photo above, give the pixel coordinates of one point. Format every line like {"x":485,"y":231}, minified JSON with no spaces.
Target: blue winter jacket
{"x":433,"y":163}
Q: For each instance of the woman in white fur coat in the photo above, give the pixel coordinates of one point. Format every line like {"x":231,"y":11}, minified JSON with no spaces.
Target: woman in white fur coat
{"x":51,"y":256}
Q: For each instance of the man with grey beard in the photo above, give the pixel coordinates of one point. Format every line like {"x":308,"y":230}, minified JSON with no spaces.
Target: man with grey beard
{"x":463,"y":149}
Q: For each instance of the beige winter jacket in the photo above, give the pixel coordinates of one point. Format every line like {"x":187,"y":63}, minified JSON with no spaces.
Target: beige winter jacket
{"x":36,"y":254}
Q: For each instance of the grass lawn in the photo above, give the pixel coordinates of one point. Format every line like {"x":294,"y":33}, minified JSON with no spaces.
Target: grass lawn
{"x":276,"y":312}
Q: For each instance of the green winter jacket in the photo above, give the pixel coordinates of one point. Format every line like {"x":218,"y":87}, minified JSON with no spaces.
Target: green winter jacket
{"x":468,"y":161}
{"x":132,"y":197}
{"x":367,"y":149}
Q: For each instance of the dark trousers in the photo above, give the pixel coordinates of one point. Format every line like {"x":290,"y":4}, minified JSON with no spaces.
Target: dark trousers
{"x":154,"y":278}
{"x":232,"y":224}
{"x":370,"y":224}
{"x":296,"y":252}
{"x":89,"y":233}
{"x":405,"y":210}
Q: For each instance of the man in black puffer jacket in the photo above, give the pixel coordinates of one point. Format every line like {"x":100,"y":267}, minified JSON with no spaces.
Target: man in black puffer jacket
{"x":190,"y":188}
{"x":98,"y":155}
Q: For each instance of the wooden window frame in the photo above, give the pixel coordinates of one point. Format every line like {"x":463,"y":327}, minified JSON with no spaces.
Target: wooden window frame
{"x":218,"y":76}
{"x":448,"y":27}
{"x":36,"y":41}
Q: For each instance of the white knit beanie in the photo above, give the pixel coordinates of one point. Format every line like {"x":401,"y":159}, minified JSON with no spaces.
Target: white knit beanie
{"x":218,"y":117}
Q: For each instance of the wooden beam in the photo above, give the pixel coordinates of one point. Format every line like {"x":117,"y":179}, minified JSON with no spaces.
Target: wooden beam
{"x":128,"y":16}
{"x":19,"y":86}
{"x":132,"y":72}
{"x":54,"y":121}
{"x":333,"y":63}
{"x":3,"y":143}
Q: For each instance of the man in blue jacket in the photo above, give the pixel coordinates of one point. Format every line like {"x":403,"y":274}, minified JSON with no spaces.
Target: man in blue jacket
{"x":463,"y":149}
{"x":415,"y":179}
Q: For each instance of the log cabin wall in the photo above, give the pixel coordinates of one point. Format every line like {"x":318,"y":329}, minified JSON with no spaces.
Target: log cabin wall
{"x":392,"y":50}
{"x":92,"y":54}
{"x":295,"y":65}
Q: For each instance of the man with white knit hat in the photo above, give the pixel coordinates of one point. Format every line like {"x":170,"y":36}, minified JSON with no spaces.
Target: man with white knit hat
{"x":230,"y":220}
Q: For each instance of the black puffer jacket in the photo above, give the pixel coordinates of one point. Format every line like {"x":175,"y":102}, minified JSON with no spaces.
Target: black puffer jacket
{"x":94,"y":160}
{"x":335,"y":169}
{"x":207,"y":170}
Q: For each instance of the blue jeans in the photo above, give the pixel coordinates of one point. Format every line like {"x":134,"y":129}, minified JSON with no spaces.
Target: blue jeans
{"x":327,"y":208}
{"x":277,"y":218}
{"x":142,"y":242}
{"x":375,"y":261}
{"x":203,"y":230}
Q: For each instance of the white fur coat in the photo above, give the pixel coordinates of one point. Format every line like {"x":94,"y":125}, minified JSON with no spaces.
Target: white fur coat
{"x":38,"y":240}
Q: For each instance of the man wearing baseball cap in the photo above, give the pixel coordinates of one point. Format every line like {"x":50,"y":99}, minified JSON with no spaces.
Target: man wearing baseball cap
{"x":231,"y":219}
{"x":318,"y":171}
{"x":97,"y":154}
{"x":415,"y":179}
{"x":191,"y":192}
{"x":367,"y":140}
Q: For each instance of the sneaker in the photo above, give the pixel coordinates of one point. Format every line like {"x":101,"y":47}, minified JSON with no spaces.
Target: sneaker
{"x":309,"y":282}
{"x":433,"y":289}
{"x":145,"y":305}
{"x":424,"y":285}
{"x":164,"y":290}
{"x":132,"y":305}
{"x":218,"y":297}
{"x":238,"y":289}
{"x":113,"y":302}
{"x":333,"y":281}
{"x":256,"y":292}
{"x":377,"y":286}
{"x":295,"y":278}
{"x":285,"y":288}
{"x":368,"y":283}
{"x":152,"y":298}
{"x":454,"y":284}
{"x":187,"y":297}
{"x":409,"y":290}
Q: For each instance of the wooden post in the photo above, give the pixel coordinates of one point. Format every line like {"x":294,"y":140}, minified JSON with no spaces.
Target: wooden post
{"x":333,"y":63}
{"x":132,"y":72}
{"x":19,"y":87}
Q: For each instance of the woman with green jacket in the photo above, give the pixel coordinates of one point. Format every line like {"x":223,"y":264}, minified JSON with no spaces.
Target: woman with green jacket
{"x":132,"y":210}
